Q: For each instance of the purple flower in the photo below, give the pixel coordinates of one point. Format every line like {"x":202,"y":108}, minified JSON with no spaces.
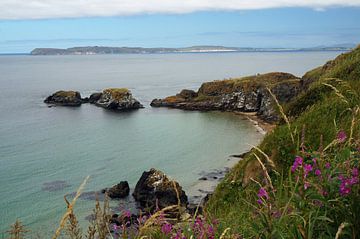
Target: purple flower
{"x":127,"y":213}
{"x":263,"y":193}
{"x":297,"y":162}
{"x":327,"y":165}
{"x":307,"y":168}
{"x":166,"y":228}
{"x":341,"y":136}
{"x":115,"y":227}
{"x":259,"y":201}
{"x":317,"y":172}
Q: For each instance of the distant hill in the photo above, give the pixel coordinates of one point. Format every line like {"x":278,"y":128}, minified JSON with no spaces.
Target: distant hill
{"x":96,"y":50}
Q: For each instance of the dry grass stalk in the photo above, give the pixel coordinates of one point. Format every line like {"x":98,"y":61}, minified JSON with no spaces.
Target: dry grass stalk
{"x":91,"y":230}
{"x":268,"y":160}
{"x":353,"y":122}
{"x":282,"y":112}
{"x":17,"y":230}
{"x":73,"y":228}
{"x":340,"y":229}
{"x":102,"y":218}
{"x":70,"y":208}
{"x":337,"y":92}
{"x":265,"y":172}
{"x":154,"y":218}
{"x":224,"y":233}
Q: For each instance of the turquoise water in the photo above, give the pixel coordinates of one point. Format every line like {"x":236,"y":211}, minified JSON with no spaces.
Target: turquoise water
{"x":41,"y":145}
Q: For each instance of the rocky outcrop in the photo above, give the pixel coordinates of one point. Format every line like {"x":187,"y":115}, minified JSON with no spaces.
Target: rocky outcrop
{"x":65,"y":98}
{"x":94,"y":97}
{"x":154,"y":189}
{"x":120,"y":190}
{"x":247,"y":94}
{"x":119,"y":99}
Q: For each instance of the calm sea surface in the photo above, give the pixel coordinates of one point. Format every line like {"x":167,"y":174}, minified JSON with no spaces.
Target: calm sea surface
{"x":41,"y":145}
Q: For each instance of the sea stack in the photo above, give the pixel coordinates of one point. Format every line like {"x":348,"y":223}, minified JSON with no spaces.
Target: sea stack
{"x":65,"y":98}
{"x":118,"y":99}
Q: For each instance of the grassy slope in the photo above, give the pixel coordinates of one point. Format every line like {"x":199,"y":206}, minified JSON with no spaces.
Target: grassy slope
{"x":319,"y":110}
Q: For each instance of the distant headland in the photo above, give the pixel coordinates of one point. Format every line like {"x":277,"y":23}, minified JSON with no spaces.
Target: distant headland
{"x":100,"y":50}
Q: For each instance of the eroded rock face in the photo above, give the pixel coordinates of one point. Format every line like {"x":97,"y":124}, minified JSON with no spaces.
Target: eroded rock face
{"x":119,"y":99}
{"x":247,"y":94}
{"x":154,"y":187}
{"x":65,"y":98}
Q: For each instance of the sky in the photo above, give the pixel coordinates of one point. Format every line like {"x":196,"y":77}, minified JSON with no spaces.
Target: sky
{"x":27,"y":24}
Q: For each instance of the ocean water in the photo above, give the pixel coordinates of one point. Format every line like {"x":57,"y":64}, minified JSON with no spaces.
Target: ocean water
{"x":40,"y":146}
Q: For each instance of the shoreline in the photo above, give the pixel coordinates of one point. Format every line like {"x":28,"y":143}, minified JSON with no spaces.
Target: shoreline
{"x":209,"y":180}
{"x":262,"y":126}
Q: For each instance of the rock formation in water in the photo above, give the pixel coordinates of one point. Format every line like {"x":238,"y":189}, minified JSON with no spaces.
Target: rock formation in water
{"x":120,"y":190}
{"x":65,"y":98}
{"x":119,"y":99}
{"x":247,"y":94}
{"x":155,"y":189}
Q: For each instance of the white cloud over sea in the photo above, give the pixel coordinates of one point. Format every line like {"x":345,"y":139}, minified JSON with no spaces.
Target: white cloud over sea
{"x":43,"y":9}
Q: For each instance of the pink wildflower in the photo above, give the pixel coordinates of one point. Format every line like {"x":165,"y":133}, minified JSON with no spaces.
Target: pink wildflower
{"x":307,"y":168}
{"x":263,"y":193}
{"x":297,"y":162}
{"x":166,"y":228}
{"x":317,"y":172}
{"x":341,"y":136}
{"x":327,"y":165}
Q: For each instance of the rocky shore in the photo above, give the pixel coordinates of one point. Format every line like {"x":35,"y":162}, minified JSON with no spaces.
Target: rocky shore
{"x":117,"y":99}
{"x":247,"y":94}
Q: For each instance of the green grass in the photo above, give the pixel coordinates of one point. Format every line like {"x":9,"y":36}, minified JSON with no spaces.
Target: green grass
{"x":316,"y":115}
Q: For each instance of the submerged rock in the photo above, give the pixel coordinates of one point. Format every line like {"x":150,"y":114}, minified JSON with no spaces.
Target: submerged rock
{"x":65,"y":98}
{"x":155,"y":189}
{"x":247,"y":94}
{"x":120,"y":190}
{"x":119,"y":99}
{"x":55,"y":186}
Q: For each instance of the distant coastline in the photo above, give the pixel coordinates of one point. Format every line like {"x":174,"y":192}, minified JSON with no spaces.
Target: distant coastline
{"x":103,"y":50}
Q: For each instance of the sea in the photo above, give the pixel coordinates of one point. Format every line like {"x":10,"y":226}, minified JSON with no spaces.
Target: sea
{"x":45,"y":153}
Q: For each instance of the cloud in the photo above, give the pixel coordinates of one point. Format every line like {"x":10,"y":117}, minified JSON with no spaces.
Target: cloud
{"x":44,"y":9}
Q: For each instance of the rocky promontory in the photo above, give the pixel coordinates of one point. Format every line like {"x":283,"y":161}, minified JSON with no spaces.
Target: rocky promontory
{"x":65,"y":98}
{"x":119,"y":99}
{"x":246,"y":94}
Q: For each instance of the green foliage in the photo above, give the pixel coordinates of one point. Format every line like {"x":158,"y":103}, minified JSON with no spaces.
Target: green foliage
{"x":316,"y":116}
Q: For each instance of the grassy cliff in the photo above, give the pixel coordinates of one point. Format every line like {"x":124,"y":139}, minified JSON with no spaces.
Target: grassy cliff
{"x":313,"y":121}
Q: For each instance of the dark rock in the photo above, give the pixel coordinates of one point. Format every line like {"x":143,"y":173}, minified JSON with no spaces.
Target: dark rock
{"x":239,"y":155}
{"x":120,"y":190}
{"x":118,"y":99}
{"x":85,"y":100}
{"x":64,"y":98}
{"x":94,"y":97}
{"x":154,"y":188}
{"x":203,"y":178}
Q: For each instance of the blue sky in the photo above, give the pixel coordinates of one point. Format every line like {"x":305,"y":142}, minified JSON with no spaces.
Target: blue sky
{"x":273,"y":27}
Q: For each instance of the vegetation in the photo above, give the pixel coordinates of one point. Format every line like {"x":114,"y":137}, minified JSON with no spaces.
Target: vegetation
{"x":302,"y":181}
{"x":117,"y":93}
{"x":295,"y":206}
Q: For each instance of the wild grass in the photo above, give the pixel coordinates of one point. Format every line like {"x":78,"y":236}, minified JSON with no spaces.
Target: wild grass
{"x":295,"y":206}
